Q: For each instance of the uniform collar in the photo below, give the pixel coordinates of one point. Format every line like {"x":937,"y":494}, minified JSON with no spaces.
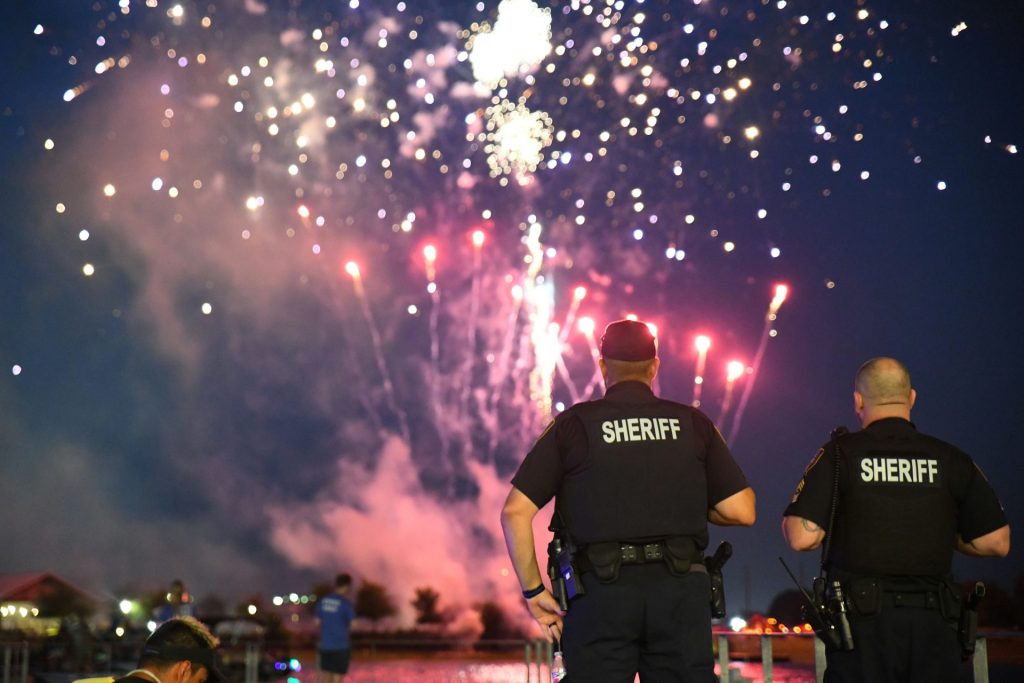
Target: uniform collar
{"x":891,"y":426}
{"x":629,"y":389}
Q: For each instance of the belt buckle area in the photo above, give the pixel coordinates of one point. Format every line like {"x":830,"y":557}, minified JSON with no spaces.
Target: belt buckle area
{"x":653,"y":551}
{"x":629,"y":553}
{"x":927,"y":600}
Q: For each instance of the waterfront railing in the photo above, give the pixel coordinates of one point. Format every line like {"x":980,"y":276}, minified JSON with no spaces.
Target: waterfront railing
{"x":15,"y":663}
{"x":769,"y":649}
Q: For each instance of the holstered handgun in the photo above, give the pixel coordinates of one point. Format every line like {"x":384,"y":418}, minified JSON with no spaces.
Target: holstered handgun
{"x":839,"y":618}
{"x":820,"y":616}
{"x":565,"y":584}
{"x":714,"y":566}
{"x":833,"y":631}
{"x":558,"y":588}
{"x":967,"y":633}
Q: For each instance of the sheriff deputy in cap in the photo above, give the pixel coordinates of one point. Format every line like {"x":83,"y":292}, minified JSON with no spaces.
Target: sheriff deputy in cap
{"x":180,"y":650}
{"x":904,"y":501}
{"x":636,"y":479}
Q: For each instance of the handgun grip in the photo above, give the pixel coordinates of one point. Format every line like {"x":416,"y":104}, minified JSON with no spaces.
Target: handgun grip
{"x":721,"y":556}
{"x":976,"y":595}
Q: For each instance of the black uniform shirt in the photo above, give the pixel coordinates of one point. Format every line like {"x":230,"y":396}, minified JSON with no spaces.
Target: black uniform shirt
{"x":903,"y":497}
{"x":631,"y":466}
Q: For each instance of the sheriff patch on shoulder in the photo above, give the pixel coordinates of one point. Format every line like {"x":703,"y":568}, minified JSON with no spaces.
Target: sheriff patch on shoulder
{"x":640,"y":429}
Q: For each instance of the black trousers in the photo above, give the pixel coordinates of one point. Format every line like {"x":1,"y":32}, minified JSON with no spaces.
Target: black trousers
{"x":648,"y":622}
{"x":898,"y":645}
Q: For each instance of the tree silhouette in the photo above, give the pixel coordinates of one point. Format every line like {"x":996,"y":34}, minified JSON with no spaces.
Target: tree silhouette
{"x":425,"y":605}
{"x":320,"y":589}
{"x":374,"y":603}
{"x":496,"y":624}
{"x":788,"y":607}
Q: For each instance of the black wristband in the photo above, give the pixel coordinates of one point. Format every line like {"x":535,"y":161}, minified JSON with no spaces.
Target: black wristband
{"x":533,"y":592}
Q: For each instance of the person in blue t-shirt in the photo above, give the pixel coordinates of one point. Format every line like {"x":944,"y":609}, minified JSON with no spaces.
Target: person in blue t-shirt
{"x":335,"y":612}
{"x":178,"y":603}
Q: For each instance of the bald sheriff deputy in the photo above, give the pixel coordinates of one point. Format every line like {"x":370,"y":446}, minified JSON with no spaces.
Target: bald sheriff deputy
{"x":905,"y":502}
{"x":636,"y":479}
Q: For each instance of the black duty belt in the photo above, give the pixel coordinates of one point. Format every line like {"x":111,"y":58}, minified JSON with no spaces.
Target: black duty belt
{"x":926,"y":600}
{"x":635,"y":553}
{"x":642,"y":554}
{"x":605,"y":558}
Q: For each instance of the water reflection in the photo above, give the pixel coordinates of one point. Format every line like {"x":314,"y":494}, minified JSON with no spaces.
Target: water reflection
{"x":454,"y":671}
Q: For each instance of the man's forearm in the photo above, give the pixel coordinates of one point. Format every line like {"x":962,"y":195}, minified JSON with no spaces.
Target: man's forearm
{"x":518,"y":532}
{"x":802,"y":534}
{"x":739,"y":509}
{"x":715,"y":517}
{"x":993,"y":544}
{"x":966,"y":548}
{"x":517,"y":525}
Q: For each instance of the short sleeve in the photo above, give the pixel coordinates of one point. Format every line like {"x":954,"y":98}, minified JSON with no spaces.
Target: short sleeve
{"x":541,"y":471}
{"x":350,"y":611}
{"x":812,"y":499}
{"x":979,"y":510}
{"x":724,"y":476}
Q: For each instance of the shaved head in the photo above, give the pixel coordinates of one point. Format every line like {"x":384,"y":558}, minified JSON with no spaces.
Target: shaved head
{"x":883,"y":381}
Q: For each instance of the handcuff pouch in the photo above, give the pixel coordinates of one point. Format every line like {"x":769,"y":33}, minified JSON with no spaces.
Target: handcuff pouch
{"x":679,"y":554}
{"x":950,"y":601}
{"x":604,"y":560}
{"x":865,"y":595}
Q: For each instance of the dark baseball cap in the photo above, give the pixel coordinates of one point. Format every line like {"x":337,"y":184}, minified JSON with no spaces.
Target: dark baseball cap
{"x":628,"y":340}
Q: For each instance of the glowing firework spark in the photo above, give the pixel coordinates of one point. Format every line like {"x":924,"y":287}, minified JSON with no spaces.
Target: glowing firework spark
{"x":546,"y":349}
{"x":734,"y":369}
{"x":578,"y":295}
{"x":702,"y":343}
{"x":352,"y":268}
{"x":430,"y":259}
{"x":781,"y":291}
{"x":430,"y":263}
{"x":516,"y":139}
{"x":478,"y":238}
{"x":587,"y":327}
{"x":519,"y":41}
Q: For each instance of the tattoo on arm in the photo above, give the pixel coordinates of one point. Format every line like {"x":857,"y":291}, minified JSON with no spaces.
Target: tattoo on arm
{"x":809,"y":525}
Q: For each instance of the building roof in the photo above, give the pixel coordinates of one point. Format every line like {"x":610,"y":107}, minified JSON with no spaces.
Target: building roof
{"x":36,"y":586}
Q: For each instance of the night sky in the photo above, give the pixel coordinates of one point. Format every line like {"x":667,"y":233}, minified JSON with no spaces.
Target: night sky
{"x":290,"y":287}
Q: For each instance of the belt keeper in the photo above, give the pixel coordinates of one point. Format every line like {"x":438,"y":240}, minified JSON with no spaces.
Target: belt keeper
{"x":533,"y":592}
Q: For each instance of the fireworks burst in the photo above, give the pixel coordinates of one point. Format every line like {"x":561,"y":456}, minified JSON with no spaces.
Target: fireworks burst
{"x":519,"y":42}
{"x":516,"y":139}
{"x":444,"y":205}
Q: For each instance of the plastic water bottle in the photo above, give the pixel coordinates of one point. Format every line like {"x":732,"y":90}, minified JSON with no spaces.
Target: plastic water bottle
{"x":557,"y":667}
